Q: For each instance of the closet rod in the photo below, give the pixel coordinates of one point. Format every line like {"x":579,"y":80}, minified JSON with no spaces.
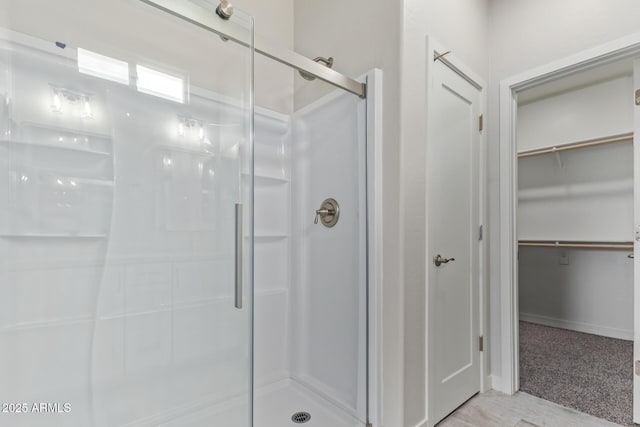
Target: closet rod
{"x":577,"y":245}
{"x":581,"y":144}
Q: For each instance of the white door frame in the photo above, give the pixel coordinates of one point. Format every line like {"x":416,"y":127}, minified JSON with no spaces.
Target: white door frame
{"x":626,"y":47}
{"x":452,"y":61}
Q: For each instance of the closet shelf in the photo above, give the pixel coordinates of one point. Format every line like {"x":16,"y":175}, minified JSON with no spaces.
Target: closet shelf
{"x":627,"y":137}
{"x":575,"y":244}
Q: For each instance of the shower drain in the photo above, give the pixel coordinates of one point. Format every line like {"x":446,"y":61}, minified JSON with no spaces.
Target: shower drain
{"x":300,"y":417}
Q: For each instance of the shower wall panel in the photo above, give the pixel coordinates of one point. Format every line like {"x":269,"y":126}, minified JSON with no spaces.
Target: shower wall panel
{"x":328,"y":291}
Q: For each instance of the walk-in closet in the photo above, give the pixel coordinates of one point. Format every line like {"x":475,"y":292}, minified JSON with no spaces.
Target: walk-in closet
{"x":575,"y":240}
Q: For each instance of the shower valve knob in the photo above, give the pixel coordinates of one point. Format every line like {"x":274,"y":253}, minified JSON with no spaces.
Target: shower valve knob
{"x":328,"y":213}
{"x":438,"y":260}
{"x":323,"y":213}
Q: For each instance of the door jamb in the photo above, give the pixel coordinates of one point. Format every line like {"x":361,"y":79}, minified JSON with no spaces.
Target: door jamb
{"x":433,"y":46}
{"x":625,"y":47}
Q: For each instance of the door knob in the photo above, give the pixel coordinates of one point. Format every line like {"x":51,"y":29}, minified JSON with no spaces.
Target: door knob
{"x":438,"y":260}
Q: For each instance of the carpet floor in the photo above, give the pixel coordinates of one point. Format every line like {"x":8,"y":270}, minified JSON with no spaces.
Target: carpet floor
{"x":590,"y":373}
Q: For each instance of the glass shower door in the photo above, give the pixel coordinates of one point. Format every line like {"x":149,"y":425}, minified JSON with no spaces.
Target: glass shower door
{"x":125,"y":216}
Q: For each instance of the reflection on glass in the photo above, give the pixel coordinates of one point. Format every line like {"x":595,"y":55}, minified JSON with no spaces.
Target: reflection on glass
{"x":71,"y":102}
{"x":102,"y":66}
{"x":191,"y":129}
{"x":160,"y":84}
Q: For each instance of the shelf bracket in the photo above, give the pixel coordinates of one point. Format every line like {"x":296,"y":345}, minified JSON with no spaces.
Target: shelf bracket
{"x":558,"y":158}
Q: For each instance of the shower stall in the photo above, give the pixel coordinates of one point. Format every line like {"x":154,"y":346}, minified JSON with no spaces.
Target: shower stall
{"x":171,"y":255}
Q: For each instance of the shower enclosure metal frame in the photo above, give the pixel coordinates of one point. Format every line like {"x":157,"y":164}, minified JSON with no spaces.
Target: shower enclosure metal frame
{"x":228,"y":31}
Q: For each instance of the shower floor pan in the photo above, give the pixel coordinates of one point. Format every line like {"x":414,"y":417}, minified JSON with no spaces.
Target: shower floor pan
{"x":275,"y":404}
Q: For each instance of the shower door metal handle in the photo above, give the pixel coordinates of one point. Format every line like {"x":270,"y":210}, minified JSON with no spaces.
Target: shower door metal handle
{"x":239,"y":240}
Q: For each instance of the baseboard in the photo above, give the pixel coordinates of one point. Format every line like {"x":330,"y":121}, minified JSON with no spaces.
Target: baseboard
{"x":498,"y":384}
{"x":623,"y":334}
{"x":487,"y":384}
{"x":423,"y":423}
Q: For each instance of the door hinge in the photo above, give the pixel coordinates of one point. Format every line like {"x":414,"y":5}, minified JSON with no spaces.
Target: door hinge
{"x":480,"y":233}
{"x":637,"y":366}
{"x":638,"y":97}
{"x":481,"y":120}
{"x":481,"y":343}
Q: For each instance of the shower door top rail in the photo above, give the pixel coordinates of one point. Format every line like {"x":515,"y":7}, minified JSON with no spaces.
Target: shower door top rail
{"x":209,"y":20}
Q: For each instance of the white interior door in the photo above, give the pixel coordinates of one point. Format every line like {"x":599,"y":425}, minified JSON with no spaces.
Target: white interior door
{"x":636,"y":250}
{"x":453,"y":225}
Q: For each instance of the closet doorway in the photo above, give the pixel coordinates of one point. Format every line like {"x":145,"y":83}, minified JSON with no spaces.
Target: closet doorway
{"x":571,"y":181}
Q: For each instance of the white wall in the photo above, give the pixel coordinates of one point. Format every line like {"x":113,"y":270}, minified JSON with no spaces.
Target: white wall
{"x":273,"y":23}
{"x":593,"y":293}
{"x":525,"y":34}
{"x":598,"y":110}
{"x":588,"y":198}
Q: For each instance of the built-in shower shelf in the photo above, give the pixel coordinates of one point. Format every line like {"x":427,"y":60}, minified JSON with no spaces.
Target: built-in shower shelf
{"x":40,"y":145}
{"x":52,"y":236}
{"x":66,"y":130}
{"x":270,"y":237}
{"x":49,"y":323}
{"x":260,"y":178}
{"x":270,"y":179}
{"x":96,"y":182}
{"x":198,"y":152}
{"x":74,"y":181}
